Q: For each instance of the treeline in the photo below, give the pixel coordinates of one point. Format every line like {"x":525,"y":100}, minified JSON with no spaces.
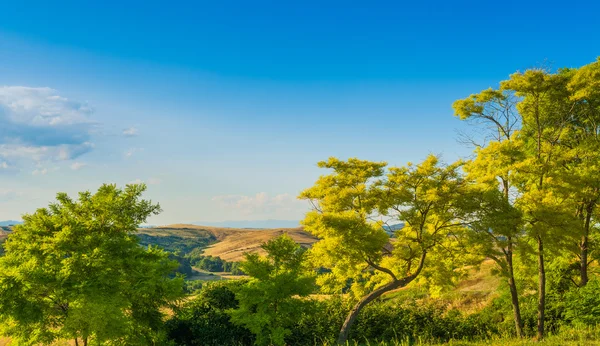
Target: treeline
{"x":177,"y":244}
{"x":213,"y":263}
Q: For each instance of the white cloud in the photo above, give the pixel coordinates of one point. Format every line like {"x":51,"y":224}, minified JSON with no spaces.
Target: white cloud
{"x":40,"y":171}
{"x":8,"y":195}
{"x":153,"y":181}
{"x":261,"y":203}
{"x":132,"y":151}
{"x":42,"y":107}
{"x":149,"y":181}
{"x":60,"y":152}
{"x":78,"y":165}
{"x":130,"y":132}
{"x":40,"y":125}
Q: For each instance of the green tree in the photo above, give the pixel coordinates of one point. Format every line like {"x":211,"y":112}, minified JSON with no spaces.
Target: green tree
{"x":270,"y":303}
{"x":583,"y":168}
{"x":495,"y":222}
{"x":546,"y":112}
{"x":75,"y":271}
{"x":425,"y":197}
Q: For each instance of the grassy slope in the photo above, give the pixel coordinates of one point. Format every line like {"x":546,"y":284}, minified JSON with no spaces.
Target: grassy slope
{"x":229,"y":243}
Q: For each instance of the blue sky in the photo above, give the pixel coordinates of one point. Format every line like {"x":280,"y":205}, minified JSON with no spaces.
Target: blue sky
{"x":224,"y":108}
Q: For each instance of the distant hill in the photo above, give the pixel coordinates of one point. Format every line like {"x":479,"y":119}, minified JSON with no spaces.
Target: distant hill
{"x":10,"y":223}
{"x":259,"y":224}
{"x":229,"y":244}
{"x":393,"y":228}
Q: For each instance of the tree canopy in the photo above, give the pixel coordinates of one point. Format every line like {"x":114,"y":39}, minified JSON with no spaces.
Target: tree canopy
{"x":75,"y":270}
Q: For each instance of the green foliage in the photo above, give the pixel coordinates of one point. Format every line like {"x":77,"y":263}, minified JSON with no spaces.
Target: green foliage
{"x":177,"y":244}
{"x":192,"y":286}
{"x":205,"y":321}
{"x":212,"y":263}
{"x":583,"y":304}
{"x":75,"y":270}
{"x":270,"y":302}
{"x":185,"y":267}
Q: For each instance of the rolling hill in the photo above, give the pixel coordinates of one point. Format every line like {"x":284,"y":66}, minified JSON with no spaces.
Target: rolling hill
{"x":229,"y":244}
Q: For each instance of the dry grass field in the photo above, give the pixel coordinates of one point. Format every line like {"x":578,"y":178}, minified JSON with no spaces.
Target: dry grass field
{"x":231,"y":243}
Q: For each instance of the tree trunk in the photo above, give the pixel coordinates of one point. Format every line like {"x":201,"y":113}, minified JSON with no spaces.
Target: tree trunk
{"x":514,"y":296}
{"x":353,"y":314}
{"x":541,"y":289}
{"x":76,"y":342}
{"x":584,"y":249}
{"x":85,"y":341}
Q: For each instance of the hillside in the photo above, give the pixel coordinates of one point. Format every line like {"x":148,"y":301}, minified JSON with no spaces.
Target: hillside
{"x":227,"y":243}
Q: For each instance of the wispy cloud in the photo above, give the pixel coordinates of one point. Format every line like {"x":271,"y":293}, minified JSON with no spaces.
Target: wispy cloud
{"x":40,"y":171}
{"x":149,"y":181}
{"x":130,"y":132}
{"x":8,"y":195}
{"x":78,"y":165}
{"x":261,"y":203}
{"x":154,"y":181}
{"x":131,"y":151}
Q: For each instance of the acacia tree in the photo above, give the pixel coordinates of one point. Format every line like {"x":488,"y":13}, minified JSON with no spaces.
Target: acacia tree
{"x":75,"y":270}
{"x":495,"y":221}
{"x":425,"y":197}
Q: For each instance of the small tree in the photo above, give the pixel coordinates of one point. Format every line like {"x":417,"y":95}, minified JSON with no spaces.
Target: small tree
{"x":269,"y":303}
{"x":426,"y":197}
{"x":75,"y":271}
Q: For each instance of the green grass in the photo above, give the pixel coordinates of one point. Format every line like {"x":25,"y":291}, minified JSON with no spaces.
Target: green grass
{"x":583,"y":336}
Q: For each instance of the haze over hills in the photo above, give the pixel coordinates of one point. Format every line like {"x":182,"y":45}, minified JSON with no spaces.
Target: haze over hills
{"x":9,"y":223}
{"x":260,"y":224}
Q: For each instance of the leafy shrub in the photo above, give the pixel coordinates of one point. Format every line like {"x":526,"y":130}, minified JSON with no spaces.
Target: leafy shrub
{"x":582,"y":305}
{"x":204,"y":321}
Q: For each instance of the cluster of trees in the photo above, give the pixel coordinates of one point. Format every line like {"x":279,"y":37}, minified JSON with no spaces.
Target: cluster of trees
{"x":179,"y":245}
{"x":533,"y":187}
{"x":213,"y":263}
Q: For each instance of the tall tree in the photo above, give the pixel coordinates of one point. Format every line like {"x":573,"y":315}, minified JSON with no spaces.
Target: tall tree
{"x":583,"y":168}
{"x":546,"y":112}
{"x":495,"y":221}
{"x":75,"y":271}
{"x":355,"y":247}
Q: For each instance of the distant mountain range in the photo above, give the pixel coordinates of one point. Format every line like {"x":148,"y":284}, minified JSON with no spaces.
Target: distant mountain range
{"x":266,"y":224}
{"x":261,"y":224}
{"x":393,"y":228}
{"x":9,"y":223}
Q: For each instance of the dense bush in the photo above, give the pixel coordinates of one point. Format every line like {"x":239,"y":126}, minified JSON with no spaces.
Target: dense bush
{"x":177,"y":244}
{"x":204,"y":320}
{"x":213,"y":264}
{"x":184,"y":267}
{"x":192,"y":286}
{"x":582,"y":306}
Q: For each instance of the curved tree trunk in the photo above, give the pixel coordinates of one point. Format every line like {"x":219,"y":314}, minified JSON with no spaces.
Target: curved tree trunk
{"x":353,"y":314}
